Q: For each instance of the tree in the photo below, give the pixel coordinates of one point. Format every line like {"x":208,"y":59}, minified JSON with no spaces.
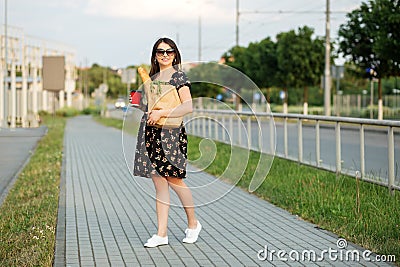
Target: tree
{"x":258,"y":61}
{"x":98,"y":75}
{"x":295,"y":60}
{"x":237,"y":57}
{"x":300,"y":61}
{"x":205,"y":79}
{"x":370,"y":39}
{"x":265,"y":73}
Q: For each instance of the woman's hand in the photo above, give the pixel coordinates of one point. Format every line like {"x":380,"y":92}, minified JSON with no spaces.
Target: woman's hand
{"x":154,"y":116}
{"x":184,"y":108}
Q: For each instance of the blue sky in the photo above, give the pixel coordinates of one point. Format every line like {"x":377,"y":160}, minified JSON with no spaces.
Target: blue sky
{"x":121,"y":32}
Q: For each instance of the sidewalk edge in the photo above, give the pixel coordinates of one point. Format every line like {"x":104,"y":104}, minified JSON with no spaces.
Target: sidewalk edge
{"x":59,"y":252}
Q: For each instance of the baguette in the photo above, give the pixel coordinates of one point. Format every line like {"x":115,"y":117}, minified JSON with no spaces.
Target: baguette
{"x":143,"y":74}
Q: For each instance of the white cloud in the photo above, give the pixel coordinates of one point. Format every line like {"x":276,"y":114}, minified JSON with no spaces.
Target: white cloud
{"x":171,"y":10}
{"x":61,"y":3}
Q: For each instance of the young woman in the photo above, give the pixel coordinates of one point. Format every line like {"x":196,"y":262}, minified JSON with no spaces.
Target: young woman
{"x":161,"y":153}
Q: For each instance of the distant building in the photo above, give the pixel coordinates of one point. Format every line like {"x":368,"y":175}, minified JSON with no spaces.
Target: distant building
{"x":21,"y":90}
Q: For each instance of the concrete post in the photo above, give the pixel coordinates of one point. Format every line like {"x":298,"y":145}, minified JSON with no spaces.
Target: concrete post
{"x":61,"y":99}
{"x":24,"y":93}
{"x":34,"y":97}
{"x":3,"y":122}
{"x":45,"y":101}
{"x":13,"y":94}
{"x":67,"y":85}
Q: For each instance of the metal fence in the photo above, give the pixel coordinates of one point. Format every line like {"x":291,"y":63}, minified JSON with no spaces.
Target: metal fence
{"x":360,"y":106}
{"x":284,"y":135}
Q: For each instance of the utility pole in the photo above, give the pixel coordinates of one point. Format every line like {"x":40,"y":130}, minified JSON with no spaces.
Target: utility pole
{"x":327,"y":72}
{"x":199,"y":38}
{"x":327,"y":76}
{"x":237,"y":22}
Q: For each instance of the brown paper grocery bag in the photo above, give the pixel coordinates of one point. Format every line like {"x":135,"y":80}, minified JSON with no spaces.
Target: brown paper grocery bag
{"x":162,"y":95}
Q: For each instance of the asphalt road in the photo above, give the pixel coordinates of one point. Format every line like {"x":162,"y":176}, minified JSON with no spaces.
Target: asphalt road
{"x":16,"y":147}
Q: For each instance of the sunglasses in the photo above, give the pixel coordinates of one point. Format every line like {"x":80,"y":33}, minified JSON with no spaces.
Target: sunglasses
{"x":161,"y":52}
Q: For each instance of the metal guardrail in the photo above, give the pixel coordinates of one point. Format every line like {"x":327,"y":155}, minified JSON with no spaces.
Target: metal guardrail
{"x":201,"y":120}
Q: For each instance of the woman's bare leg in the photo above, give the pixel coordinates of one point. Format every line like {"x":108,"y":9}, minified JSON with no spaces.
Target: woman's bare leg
{"x":185,"y":196}
{"x":162,"y":203}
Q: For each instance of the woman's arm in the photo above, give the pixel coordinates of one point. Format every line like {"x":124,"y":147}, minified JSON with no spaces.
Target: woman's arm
{"x":184,"y":108}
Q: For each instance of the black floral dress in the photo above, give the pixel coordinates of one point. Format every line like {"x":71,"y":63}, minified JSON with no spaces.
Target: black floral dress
{"x":162,"y":151}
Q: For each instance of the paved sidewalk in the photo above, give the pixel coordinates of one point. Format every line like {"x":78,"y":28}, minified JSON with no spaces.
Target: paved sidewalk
{"x":16,"y":148}
{"x":105,"y":216}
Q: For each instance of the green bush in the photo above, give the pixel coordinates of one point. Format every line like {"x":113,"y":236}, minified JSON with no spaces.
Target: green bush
{"x":67,"y":112}
{"x":43,"y":113}
{"x":91,"y":110}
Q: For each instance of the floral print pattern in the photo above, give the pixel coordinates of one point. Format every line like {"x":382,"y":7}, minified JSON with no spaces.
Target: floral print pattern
{"x":179,"y":79}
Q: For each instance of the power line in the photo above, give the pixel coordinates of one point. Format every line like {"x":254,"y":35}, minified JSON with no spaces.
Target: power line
{"x":238,"y":13}
{"x":328,"y":11}
{"x":289,"y":12}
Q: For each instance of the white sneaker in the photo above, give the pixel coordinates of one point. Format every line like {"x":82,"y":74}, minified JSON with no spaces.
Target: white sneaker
{"x":192,"y":234}
{"x":156,"y":241}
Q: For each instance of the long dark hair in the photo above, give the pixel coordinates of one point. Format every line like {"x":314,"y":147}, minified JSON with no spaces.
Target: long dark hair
{"x":155,"y":68}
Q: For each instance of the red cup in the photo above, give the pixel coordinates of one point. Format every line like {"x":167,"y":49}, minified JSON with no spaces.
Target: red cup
{"x":135,"y":97}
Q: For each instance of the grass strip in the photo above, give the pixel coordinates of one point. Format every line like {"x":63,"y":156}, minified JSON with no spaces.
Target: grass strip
{"x":110,"y":122}
{"x":129,"y":125}
{"x":28,"y":215}
{"x":322,"y":198}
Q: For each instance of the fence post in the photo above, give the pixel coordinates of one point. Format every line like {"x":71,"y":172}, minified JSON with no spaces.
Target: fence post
{"x":259,"y":125}
{"x":216,"y":127}
{"x":203,"y":126}
{"x":192,"y":121}
{"x":338,"y":152}
{"x":362,"y":151}
{"x":317,"y":144}
{"x":249,"y":132}
{"x":223,"y":129}
{"x":272,"y":135}
{"x":239,"y":131}
{"x":391,"y":160}
{"x":231,"y":128}
{"x":209,"y":128}
{"x":300,"y":139}
{"x":285,"y":137}
{"x":196,"y":124}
